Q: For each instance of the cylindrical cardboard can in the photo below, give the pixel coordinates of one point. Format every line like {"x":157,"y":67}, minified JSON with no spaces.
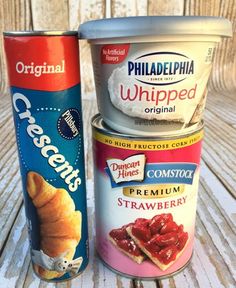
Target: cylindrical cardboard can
{"x":44,"y":78}
{"x":145,"y":200}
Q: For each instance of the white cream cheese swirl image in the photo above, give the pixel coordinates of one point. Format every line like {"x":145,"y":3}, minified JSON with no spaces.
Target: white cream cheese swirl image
{"x":177,"y":102}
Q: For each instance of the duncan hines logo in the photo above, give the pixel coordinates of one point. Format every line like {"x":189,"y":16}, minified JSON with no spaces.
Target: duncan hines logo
{"x":161,"y":68}
{"x":134,"y":168}
{"x":130,"y":169}
{"x":38,"y":70}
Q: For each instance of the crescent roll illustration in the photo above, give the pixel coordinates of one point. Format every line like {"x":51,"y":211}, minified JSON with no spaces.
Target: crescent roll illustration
{"x":60,"y":224}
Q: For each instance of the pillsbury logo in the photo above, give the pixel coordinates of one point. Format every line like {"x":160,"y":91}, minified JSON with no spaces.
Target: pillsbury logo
{"x":161,"y":68}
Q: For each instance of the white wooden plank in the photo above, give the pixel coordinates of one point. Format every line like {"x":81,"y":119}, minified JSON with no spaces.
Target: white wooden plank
{"x":74,"y":12}
{"x":187,"y":277}
{"x":50,"y":15}
{"x":223,"y":76}
{"x":9,"y":183}
{"x":52,"y":285}
{"x":7,"y":128}
{"x":144,"y":284}
{"x":221,"y":233}
{"x":222,"y":199}
{"x":201,"y":271}
{"x":7,"y":150}
{"x":125,"y":8}
{"x":219,"y":128}
{"x":86,"y":278}
{"x":223,"y":106}
{"x":103,"y":277}
{"x":210,"y":269}
{"x":44,"y":284}
{"x":14,"y":253}
{"x":8,"y":219}
{"x":17,"y":260}
{"x":162,"y":7}
{"x":89,"y":110}
{"x":62,"y":284}
{"x":32,"y":281}
{"x":184,"y":279}
{"x":24,"y":270}
{"x":142,"y":7}
{"x":6,"y":114}
{"x":219,"y":146}
{"x":81,"y":11}
{"x":124,"y":282}
{"x":218,"y":167}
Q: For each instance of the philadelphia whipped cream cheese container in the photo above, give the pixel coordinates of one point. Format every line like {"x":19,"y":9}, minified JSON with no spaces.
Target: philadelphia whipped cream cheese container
{"x":151,"y":72}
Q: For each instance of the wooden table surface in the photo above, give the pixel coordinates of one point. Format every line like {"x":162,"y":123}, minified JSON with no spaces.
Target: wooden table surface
{"x":213,"y":263}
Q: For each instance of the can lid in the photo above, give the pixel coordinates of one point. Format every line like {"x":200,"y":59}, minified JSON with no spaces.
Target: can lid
{"x":40,"y":33}
{"x":155,"y":25}
{"x":99,"y":125}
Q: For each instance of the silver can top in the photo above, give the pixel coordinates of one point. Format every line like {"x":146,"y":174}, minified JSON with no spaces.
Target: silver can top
{"x":99,"y":125}
{"x":155,"y":25}
{"x":40,"y":33}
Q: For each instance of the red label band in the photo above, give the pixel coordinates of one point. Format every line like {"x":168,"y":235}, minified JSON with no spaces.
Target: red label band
{"x":49,"y":63}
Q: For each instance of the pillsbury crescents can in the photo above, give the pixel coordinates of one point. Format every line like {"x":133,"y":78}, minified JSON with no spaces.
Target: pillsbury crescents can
{"x":145,"y":200}
{"x":44,"y":78}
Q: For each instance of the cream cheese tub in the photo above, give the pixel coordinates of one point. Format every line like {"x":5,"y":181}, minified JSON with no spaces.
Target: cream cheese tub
{"x":145,"y":200}
{"x":151,"y":72}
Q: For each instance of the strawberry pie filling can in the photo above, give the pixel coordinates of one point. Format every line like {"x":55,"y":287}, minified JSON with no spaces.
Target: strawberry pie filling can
{"x":145,"y":200}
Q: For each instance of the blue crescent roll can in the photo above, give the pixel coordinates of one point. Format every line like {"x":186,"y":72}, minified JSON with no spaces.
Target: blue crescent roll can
{"x":44,"y":78}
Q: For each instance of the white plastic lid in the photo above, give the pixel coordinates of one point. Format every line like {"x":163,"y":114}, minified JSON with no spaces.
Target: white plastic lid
{"x":155,"y":25}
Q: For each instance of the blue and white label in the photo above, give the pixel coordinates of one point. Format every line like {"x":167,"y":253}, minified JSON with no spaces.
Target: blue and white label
{"x":159,"y":81}
{"x":159,"y":173}
{"x":50,"y":143}
{"x":146,"y":68}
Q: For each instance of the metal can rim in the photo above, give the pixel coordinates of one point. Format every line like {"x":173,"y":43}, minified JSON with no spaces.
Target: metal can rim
{"x":40,"y":33}
{"x":99,"y":125}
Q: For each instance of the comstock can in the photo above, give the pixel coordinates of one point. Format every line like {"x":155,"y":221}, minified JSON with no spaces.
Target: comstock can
{"x":44,"y":78}
{"x":145,"y":200}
